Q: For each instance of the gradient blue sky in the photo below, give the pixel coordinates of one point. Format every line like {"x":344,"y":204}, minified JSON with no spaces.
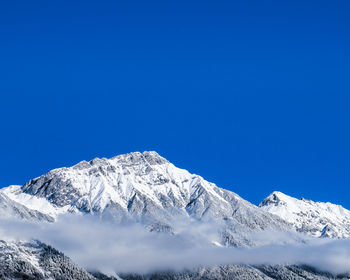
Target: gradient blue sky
{"x":252,"y":95}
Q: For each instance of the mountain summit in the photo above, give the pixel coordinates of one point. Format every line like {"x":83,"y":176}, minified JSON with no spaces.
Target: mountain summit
{"x":318,"y":219}
{"x":146,"y":188}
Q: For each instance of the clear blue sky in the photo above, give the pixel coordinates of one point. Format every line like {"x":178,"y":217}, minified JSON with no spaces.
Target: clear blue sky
{"x":252,"y":95}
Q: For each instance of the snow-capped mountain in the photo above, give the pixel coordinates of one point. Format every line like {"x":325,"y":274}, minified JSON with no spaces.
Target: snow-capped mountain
{"x":318,"y":219}
{"x":147,"y":188}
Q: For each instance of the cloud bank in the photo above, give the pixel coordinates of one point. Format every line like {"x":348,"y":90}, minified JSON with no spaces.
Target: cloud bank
{"x":110,"y":248}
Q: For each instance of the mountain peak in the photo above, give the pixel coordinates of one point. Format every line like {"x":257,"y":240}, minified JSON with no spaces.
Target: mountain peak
{"x":315,"y":218}
{"x":276,"y":198}
{"x":93,"y":185}
{"x":129,"y":159}
{"x":147,"y":188}
{"x":151,"y":157}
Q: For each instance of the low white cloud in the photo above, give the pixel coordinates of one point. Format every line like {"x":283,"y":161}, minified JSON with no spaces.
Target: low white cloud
{"x":110,"y":248}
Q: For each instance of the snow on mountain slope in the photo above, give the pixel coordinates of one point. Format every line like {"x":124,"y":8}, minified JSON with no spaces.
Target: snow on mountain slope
{"x":12,"y":209}
{"x":318,"y":219}
{"x":35,"y":260}
{"x":145,"y":187}
{"x":35,"y":203}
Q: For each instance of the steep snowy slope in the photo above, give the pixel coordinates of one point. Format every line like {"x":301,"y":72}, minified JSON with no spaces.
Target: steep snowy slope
{"x":144,"y":187}
{"x":317,"y":219}
{"x":11,"y":209}
{"x":32,"y":202}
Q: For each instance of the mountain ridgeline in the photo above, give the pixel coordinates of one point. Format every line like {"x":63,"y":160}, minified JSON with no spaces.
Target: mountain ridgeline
{"x":146,"y":189}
